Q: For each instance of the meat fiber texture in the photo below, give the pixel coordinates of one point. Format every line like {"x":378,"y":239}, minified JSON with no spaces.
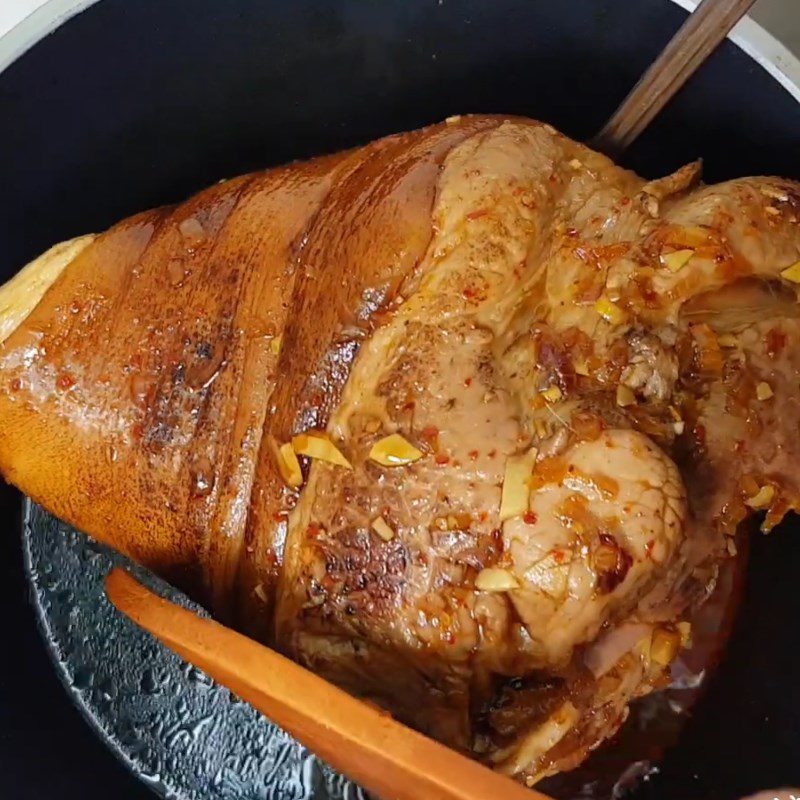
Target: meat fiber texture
{"x":589,"y":380}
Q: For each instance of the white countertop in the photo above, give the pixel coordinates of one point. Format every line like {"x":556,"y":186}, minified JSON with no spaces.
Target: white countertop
{"x":12,"y":11}
{"x":780,"y":17}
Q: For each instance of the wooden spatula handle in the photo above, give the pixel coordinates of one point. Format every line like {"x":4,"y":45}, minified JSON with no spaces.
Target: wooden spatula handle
{"x":387,"y":758}
{"x":697,"y":38}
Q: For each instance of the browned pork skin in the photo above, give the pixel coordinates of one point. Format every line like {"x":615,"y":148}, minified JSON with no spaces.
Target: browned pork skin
{"x":541,"y":392}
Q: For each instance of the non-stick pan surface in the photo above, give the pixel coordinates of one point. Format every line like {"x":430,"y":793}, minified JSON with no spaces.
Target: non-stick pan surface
{"x":133,"y":104}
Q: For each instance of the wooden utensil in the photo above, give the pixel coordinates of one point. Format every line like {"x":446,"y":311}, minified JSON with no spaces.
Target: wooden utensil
{"x":694,"y":42}
{"x":367,"y":745}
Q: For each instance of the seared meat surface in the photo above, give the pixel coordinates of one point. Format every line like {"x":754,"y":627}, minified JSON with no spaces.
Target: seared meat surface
{"x":532,"y":396}
{"x":544,"y":324}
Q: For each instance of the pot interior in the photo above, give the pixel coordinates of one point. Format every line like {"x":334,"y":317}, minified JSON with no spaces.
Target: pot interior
{"x":131,"y":105}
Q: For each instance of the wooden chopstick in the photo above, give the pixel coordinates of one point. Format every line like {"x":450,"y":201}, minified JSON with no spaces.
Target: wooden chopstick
{"x":697,"y":38}
{"x":385,"y":757}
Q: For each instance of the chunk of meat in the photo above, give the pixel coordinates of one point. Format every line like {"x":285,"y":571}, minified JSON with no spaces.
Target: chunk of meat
{"x":610,"y":519}
{"x":540,"y":392}
{"x":524,"y":329}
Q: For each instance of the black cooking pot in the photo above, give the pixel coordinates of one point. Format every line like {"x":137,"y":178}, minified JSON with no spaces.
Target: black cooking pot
{"x":136,"y":104}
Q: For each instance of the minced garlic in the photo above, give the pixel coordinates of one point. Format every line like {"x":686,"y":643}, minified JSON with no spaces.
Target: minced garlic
{"x":317,"y":445}
{"x":516,"y":490}
{"x":610,"y":311}
{"x":677,"y":259}
{"x":288,"y":465}
{"x":394,"y":451}
{"x":792,"y":273}
{"x":764,"y":391}
{"x":664,"y":646}
{"x":495,"y":579}
{"x":762,"y":498}
{"x":552,"y":394}
{"x":625,"y":396}
{"x":383,"y":529}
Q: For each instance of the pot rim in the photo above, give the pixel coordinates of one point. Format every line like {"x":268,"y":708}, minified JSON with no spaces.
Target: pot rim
{"x":752,"y":38}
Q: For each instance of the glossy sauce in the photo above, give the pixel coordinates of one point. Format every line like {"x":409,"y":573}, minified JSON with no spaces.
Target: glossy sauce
{"x":656,"y":721}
